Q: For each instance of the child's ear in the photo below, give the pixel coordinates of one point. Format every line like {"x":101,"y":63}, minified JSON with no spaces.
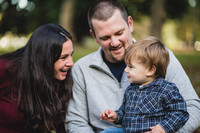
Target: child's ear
{"x":151,"y":71}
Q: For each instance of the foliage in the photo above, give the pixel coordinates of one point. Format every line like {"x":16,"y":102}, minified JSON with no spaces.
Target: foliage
{"x":188,"y":26}
{"x":135,"y":8}
{"x":173,"y":8}
{"x":23,"y":21}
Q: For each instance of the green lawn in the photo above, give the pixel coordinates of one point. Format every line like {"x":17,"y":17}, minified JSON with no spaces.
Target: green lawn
{"x":191,"y":63}
{"x":189,"y":60}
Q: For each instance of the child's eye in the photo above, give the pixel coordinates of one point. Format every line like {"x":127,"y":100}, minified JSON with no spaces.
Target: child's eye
{"x":130,"y":66}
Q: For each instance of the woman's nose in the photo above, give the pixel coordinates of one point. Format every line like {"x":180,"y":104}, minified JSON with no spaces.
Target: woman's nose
{"x":70,"y":62}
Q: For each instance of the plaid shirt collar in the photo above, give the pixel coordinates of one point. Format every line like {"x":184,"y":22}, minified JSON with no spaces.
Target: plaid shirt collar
{"x":156,"y":82}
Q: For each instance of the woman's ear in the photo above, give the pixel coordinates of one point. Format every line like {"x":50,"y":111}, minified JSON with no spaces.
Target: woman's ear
{"x":151,"y":71}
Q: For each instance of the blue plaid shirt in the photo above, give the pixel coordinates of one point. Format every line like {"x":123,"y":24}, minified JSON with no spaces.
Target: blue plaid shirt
{"x":156,"y":103}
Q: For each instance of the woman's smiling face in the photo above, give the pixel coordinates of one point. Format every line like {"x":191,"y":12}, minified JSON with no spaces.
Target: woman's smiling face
{"x":65,"y":62}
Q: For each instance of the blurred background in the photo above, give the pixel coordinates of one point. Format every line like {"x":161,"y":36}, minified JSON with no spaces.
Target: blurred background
{"x":175,"y":22}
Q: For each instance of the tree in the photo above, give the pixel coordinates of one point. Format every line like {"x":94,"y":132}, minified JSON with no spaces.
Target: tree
{"x":67,"y":15}
{"x":157,"y":17}
{"x":23,"y":21}
{"x":81,"y":27}
{"x":157,"y":10}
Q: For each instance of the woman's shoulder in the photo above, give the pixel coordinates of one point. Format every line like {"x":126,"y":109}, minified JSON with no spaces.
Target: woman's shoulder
{"x":4,"y":69}
{"x":4,"y":64}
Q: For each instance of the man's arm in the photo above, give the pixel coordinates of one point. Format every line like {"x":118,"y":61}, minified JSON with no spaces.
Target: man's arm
{"x":177,"y":75}
{"x":77,"y":115}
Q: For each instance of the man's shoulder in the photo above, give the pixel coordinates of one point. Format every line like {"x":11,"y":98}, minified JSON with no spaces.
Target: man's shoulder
{"x":84,"y":62}
{"x":85,"y":58}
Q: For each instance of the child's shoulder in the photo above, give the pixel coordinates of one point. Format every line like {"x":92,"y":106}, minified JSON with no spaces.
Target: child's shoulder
{"x":167,"y":85}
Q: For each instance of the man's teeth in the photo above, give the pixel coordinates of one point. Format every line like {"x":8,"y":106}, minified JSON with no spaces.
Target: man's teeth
{"x":116,"y":48}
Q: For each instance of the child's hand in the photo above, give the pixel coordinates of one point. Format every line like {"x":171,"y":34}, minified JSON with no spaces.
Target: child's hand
{"x":156,"y":129}
{"x":108,"y":115}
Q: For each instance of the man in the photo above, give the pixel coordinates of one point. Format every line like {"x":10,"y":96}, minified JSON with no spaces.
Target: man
{"x":100,"y":80}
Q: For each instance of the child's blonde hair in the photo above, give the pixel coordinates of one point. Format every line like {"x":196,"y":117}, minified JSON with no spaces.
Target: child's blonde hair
{"x":150,"y":52}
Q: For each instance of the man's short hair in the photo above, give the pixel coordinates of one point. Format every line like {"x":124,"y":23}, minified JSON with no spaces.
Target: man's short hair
{"x":104,"y":9}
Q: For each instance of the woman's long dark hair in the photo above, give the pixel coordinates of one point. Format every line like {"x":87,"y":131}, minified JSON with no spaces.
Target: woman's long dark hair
{"x":44,"y":98}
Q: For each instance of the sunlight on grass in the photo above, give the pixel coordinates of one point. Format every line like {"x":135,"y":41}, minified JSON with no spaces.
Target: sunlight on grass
{"x":190,"y":60}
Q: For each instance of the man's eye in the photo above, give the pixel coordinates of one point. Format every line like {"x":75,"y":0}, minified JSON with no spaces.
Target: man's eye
{"x":119,"y":33}
{"x":104,"y":38}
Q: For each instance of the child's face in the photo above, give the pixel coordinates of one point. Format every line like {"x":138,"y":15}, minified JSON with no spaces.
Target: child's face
{"x":138,"y":73}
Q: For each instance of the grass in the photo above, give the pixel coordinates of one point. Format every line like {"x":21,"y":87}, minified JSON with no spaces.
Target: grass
{"x":190,"y":61}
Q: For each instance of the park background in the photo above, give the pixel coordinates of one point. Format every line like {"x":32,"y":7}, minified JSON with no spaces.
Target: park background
{"x":175,"y":22}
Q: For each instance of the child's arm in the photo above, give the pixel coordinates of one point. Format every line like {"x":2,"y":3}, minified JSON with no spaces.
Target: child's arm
{"x":176,"y":107}
{"x":108,"y":115}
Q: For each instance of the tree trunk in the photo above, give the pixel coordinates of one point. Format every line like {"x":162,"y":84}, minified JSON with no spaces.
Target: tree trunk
{"x":157,"y":18}
{"x":66,"y":16}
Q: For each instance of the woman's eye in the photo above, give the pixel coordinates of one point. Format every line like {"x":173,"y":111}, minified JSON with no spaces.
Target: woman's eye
{"x":62,"y":57}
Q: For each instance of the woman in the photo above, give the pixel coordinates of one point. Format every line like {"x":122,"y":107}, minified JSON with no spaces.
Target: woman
{"x":35,"y":83}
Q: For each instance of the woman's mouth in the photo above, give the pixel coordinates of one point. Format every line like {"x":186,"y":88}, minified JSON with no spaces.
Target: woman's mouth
{"x":63,"y":70}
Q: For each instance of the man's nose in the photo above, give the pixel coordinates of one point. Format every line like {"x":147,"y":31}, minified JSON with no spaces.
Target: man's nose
{"x":114,"y":42}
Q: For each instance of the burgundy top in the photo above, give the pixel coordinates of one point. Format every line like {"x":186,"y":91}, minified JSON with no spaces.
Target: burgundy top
{"x":11,"y":120}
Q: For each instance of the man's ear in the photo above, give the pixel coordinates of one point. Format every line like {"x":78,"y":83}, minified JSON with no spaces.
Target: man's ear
{"x":151,"y":71}
{"x":93,"y":35}
{"x":130,"y":23}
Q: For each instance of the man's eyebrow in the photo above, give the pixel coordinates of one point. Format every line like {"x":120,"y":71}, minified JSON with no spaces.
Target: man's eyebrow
{"x":120,"y":30}
{"x":106,"y":36}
